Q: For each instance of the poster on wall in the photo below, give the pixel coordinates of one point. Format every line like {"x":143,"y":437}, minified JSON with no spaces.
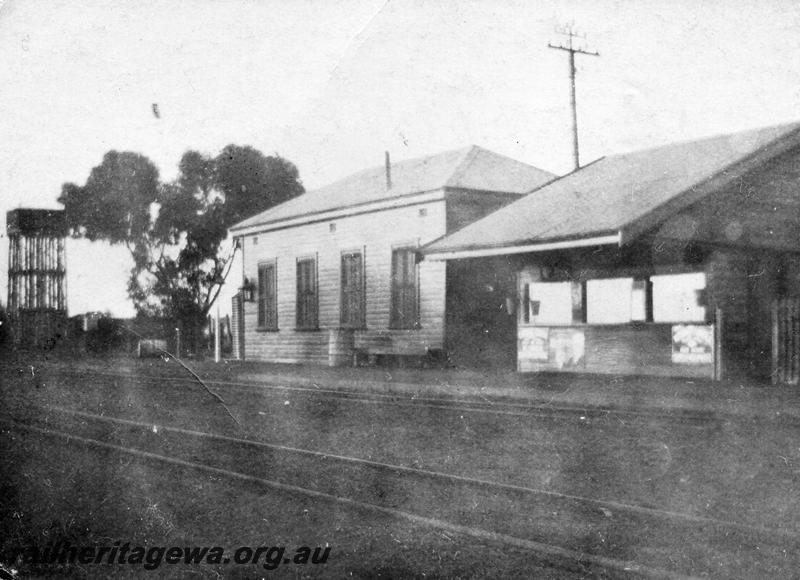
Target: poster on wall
{"x":693,"y":344}
{"x":567,"y":348}
{"x":532,"y":344}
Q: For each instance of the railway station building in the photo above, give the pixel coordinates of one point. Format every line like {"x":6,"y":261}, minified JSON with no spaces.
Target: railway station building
{"x":333,"y":275}
{"x":667,"y":261}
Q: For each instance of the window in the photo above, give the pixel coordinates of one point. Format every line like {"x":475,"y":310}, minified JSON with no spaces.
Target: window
{"x":663,"y":298}
{"x":404,"y":312}
{"x":307,"y":294}
{"x":609,"y":301}
{"x":679,"y":297}
{"x":618,"y":300}
{"x":642,"y":300}
{"x":352,"y":299}
{"x":267,"y":297}
{"x":552,"y":303}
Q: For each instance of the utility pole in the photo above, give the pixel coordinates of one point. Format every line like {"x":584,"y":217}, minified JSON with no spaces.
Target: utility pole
{"x":570,"y":33}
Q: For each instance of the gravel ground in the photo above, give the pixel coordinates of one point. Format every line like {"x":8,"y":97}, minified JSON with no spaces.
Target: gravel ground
{"x":741,"y":471}
{"x":56,"y":496}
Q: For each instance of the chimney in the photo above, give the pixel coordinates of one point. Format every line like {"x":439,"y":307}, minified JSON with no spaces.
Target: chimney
{"x":388,"y":172}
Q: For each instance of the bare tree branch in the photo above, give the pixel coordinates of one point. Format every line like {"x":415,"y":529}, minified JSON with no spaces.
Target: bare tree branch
{"x":219,"y":399}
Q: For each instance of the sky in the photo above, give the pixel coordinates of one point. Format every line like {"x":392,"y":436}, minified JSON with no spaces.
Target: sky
{"x":331,"y":85}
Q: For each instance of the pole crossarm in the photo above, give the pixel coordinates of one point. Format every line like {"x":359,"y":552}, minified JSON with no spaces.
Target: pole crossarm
{"x":574,"y":50}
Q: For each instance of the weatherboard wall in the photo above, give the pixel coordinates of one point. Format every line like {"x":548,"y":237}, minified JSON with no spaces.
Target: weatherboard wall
{"x":375,"y":234}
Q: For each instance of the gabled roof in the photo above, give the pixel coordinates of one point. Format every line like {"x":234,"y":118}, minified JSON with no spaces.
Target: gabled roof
{"x":620,"y":196}
{"x":472,"y":168}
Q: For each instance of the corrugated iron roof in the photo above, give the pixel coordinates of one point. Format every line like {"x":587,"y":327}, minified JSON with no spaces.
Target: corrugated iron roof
{"x":472,"y":168}
{"x":616,"y":192}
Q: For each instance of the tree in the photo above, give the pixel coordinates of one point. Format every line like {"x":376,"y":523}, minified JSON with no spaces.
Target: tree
{"x":114,"y":205}
{"x":176,"y":231}
{"x":252,"y":182}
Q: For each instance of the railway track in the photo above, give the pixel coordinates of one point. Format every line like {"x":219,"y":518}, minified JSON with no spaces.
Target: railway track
{"x":614,"y":537}
{"x":453,"y":404}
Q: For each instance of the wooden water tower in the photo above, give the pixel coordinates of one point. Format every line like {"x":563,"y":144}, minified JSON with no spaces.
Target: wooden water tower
{"x":37,"y":297}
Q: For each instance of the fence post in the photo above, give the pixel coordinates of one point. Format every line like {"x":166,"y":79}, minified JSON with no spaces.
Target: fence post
{"x":718,"y":370}
{"x":793,"y":354}
{"x":775,"y":342}
{"x":217,"y":343}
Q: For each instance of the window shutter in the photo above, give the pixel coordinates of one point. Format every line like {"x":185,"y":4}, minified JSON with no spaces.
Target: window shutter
{"x":307,"y":316}
{"x":261,"y":296}
{"x":267,"y":297}
{"x":352,"y":291}
{"x":404,"y":311}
